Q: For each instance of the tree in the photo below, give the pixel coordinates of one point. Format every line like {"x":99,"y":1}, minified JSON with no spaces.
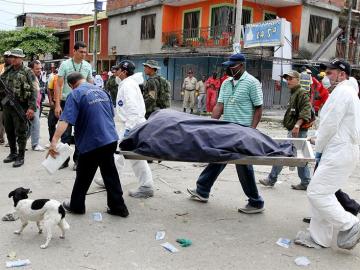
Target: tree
{"x":33,"y":40}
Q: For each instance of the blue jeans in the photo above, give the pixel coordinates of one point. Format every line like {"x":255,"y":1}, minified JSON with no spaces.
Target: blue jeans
{"x":246,"y":177}
{"x":303,"y":172}
{"x":35,"y":129}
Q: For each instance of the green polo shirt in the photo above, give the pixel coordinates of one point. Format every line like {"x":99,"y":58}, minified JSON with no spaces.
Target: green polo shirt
{"x":241,"y":99}
{"x":69,"y":66}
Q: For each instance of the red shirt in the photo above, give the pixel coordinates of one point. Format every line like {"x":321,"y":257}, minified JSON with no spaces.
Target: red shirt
{"x":223,"y":78}
{"x":319,"y":94}
{"x":211,"y":81}
{"x":104,"y":76}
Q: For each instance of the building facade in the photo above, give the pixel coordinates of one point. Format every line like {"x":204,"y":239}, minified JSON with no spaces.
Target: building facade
{"x":199,"y":35}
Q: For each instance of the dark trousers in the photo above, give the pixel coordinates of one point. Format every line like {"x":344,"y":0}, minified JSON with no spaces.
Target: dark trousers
{"x":88,"y":163}
{"x":347,"y":203}
{"x":66,"y":137}
{"x":246,"y":177}
{"x":16,"y":130}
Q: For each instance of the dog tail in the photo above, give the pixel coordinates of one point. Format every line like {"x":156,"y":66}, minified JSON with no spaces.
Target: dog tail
{"x":63,"y":223}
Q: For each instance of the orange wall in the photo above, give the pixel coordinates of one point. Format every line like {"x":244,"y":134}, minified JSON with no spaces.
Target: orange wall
{"x":293,"y":15}
{"x":173,"y":16}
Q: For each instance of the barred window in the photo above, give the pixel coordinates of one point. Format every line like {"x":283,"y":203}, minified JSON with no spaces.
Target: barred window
{"x":269,"y":16}
{"x":91,"y":39}
{"x":148,"y":26}
{"x":319,"y":29}
{"x":191,"y":24}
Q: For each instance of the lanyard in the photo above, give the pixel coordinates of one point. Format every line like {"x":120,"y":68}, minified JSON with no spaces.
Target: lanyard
{"x":72,"y":60}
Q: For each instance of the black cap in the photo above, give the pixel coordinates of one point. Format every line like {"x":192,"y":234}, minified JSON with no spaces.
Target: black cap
{"x":127,"y":65}
{"x":114,"y":68}
{"x":340,"y":64}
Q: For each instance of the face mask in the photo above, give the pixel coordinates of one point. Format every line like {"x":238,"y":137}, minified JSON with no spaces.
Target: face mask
{"x":230,"y":71}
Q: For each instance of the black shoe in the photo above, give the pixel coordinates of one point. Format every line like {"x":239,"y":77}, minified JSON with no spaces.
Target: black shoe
{"x":306,"y":220}
{"x":64,"y":165}
{"x":67,"y":208}
{"x":10,"y":158}
{"x":122,"y":211}
{"x":18,"y":162}
{"x":191,"y":111}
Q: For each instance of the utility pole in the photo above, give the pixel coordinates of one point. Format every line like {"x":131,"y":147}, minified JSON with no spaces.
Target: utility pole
{"x":95,"y":37}
{"x":348,"y":30}
{"x":238,"y":26}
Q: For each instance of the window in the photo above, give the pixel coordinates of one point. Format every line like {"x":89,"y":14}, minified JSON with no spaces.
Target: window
{"x":269,"y":16}
{"x":222,"y":19}
{"x":354,"y":4}
{"x":191,"y":24}
{"x":79,"y":35}
{"x":123,"y":22}
{"x":319,"y":29}
{"x":148,"y":26}
{"x":91,"y":39}
{"x":246,"y":16}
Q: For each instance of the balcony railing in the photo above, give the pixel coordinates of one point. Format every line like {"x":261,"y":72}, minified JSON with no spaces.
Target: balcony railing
{"x":219,"y":36}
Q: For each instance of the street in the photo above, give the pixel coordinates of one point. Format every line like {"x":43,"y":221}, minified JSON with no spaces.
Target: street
{"x":222,"y":238}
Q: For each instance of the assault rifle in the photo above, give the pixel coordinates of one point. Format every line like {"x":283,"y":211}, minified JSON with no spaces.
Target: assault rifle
{"x":10,"y":99}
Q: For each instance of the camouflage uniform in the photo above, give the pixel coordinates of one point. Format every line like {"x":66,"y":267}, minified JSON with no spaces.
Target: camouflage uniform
{"x":112,"y":88}
{"x":151,"y":96}
{"x":21,"y":82}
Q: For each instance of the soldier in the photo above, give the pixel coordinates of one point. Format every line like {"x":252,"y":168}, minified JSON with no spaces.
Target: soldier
{"x":112,"y":86}
{"x":20,"y":80}
{"x":7,"y":63}
{"x":156,"y":89}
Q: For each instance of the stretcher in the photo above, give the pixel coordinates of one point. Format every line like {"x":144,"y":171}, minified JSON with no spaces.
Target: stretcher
{"x":304,"y":155}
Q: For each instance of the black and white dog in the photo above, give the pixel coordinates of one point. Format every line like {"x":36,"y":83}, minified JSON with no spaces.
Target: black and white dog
{"x":44,"y":212}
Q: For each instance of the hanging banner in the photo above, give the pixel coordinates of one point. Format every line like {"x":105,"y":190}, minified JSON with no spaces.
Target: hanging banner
{"x":264,"y":34}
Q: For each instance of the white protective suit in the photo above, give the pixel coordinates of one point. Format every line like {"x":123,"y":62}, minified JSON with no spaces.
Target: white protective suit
{"x":130,"y":107}
{"x":338,"y":139}
{"x":99,"y":81}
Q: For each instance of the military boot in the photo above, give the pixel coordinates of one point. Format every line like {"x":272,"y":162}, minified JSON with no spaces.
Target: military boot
{"x":12,"y":157}
{"x":19,"y":160}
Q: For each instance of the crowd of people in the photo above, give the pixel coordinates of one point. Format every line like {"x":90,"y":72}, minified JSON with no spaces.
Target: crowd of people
{"x":79,"y":101}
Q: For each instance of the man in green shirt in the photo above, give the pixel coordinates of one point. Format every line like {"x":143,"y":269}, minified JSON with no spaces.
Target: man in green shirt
{"x":297,"y":114}
{"x":240,"y":102}
{"x":111,"y":85}
{"x":62,"y":90}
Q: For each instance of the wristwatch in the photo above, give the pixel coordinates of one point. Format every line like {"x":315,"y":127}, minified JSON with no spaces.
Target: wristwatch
{"x":297,"y":126}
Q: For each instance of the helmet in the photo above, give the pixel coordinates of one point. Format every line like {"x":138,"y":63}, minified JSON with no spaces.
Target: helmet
{"x":127,"y":65}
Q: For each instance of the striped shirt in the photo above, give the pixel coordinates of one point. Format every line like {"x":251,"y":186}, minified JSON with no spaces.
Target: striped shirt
{"x":240,"y":100}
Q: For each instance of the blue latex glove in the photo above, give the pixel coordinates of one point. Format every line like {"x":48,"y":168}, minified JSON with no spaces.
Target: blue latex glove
{"x":317,"y":157}
{"x":126,"y":133}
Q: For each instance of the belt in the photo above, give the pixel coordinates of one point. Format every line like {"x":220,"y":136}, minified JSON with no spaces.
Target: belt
{"x":190,"y":90}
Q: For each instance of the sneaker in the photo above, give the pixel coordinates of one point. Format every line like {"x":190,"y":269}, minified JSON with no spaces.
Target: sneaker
{"x":266,"y":182}
{"x":249,"y":209}
{"x":299,"y":187}
{"x":38,"y":148}
{"x":142,"y":192}
{"x":121,"y":212}
{"x":99,"y":182}
{"x":196,"y":196}
{"x":350,"y":238}
{"x":66,"y":205}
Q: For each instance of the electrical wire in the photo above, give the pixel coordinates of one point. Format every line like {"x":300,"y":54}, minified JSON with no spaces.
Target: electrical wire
{"x":45,"y":5}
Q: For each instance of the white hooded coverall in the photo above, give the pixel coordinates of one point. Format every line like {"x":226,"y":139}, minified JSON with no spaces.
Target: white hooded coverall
{"x":338,"y":140}
{"x":130,"y":107}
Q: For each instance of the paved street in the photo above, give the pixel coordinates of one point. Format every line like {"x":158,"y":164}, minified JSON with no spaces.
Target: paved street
{"x":222,"y":237}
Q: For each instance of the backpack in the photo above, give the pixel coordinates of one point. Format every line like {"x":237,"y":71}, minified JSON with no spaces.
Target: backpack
{"x":163,"y":94}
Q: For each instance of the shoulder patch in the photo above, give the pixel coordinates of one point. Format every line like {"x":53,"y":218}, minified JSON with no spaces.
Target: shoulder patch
{"x":120,"y":103}
{"x":38,"y":204}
